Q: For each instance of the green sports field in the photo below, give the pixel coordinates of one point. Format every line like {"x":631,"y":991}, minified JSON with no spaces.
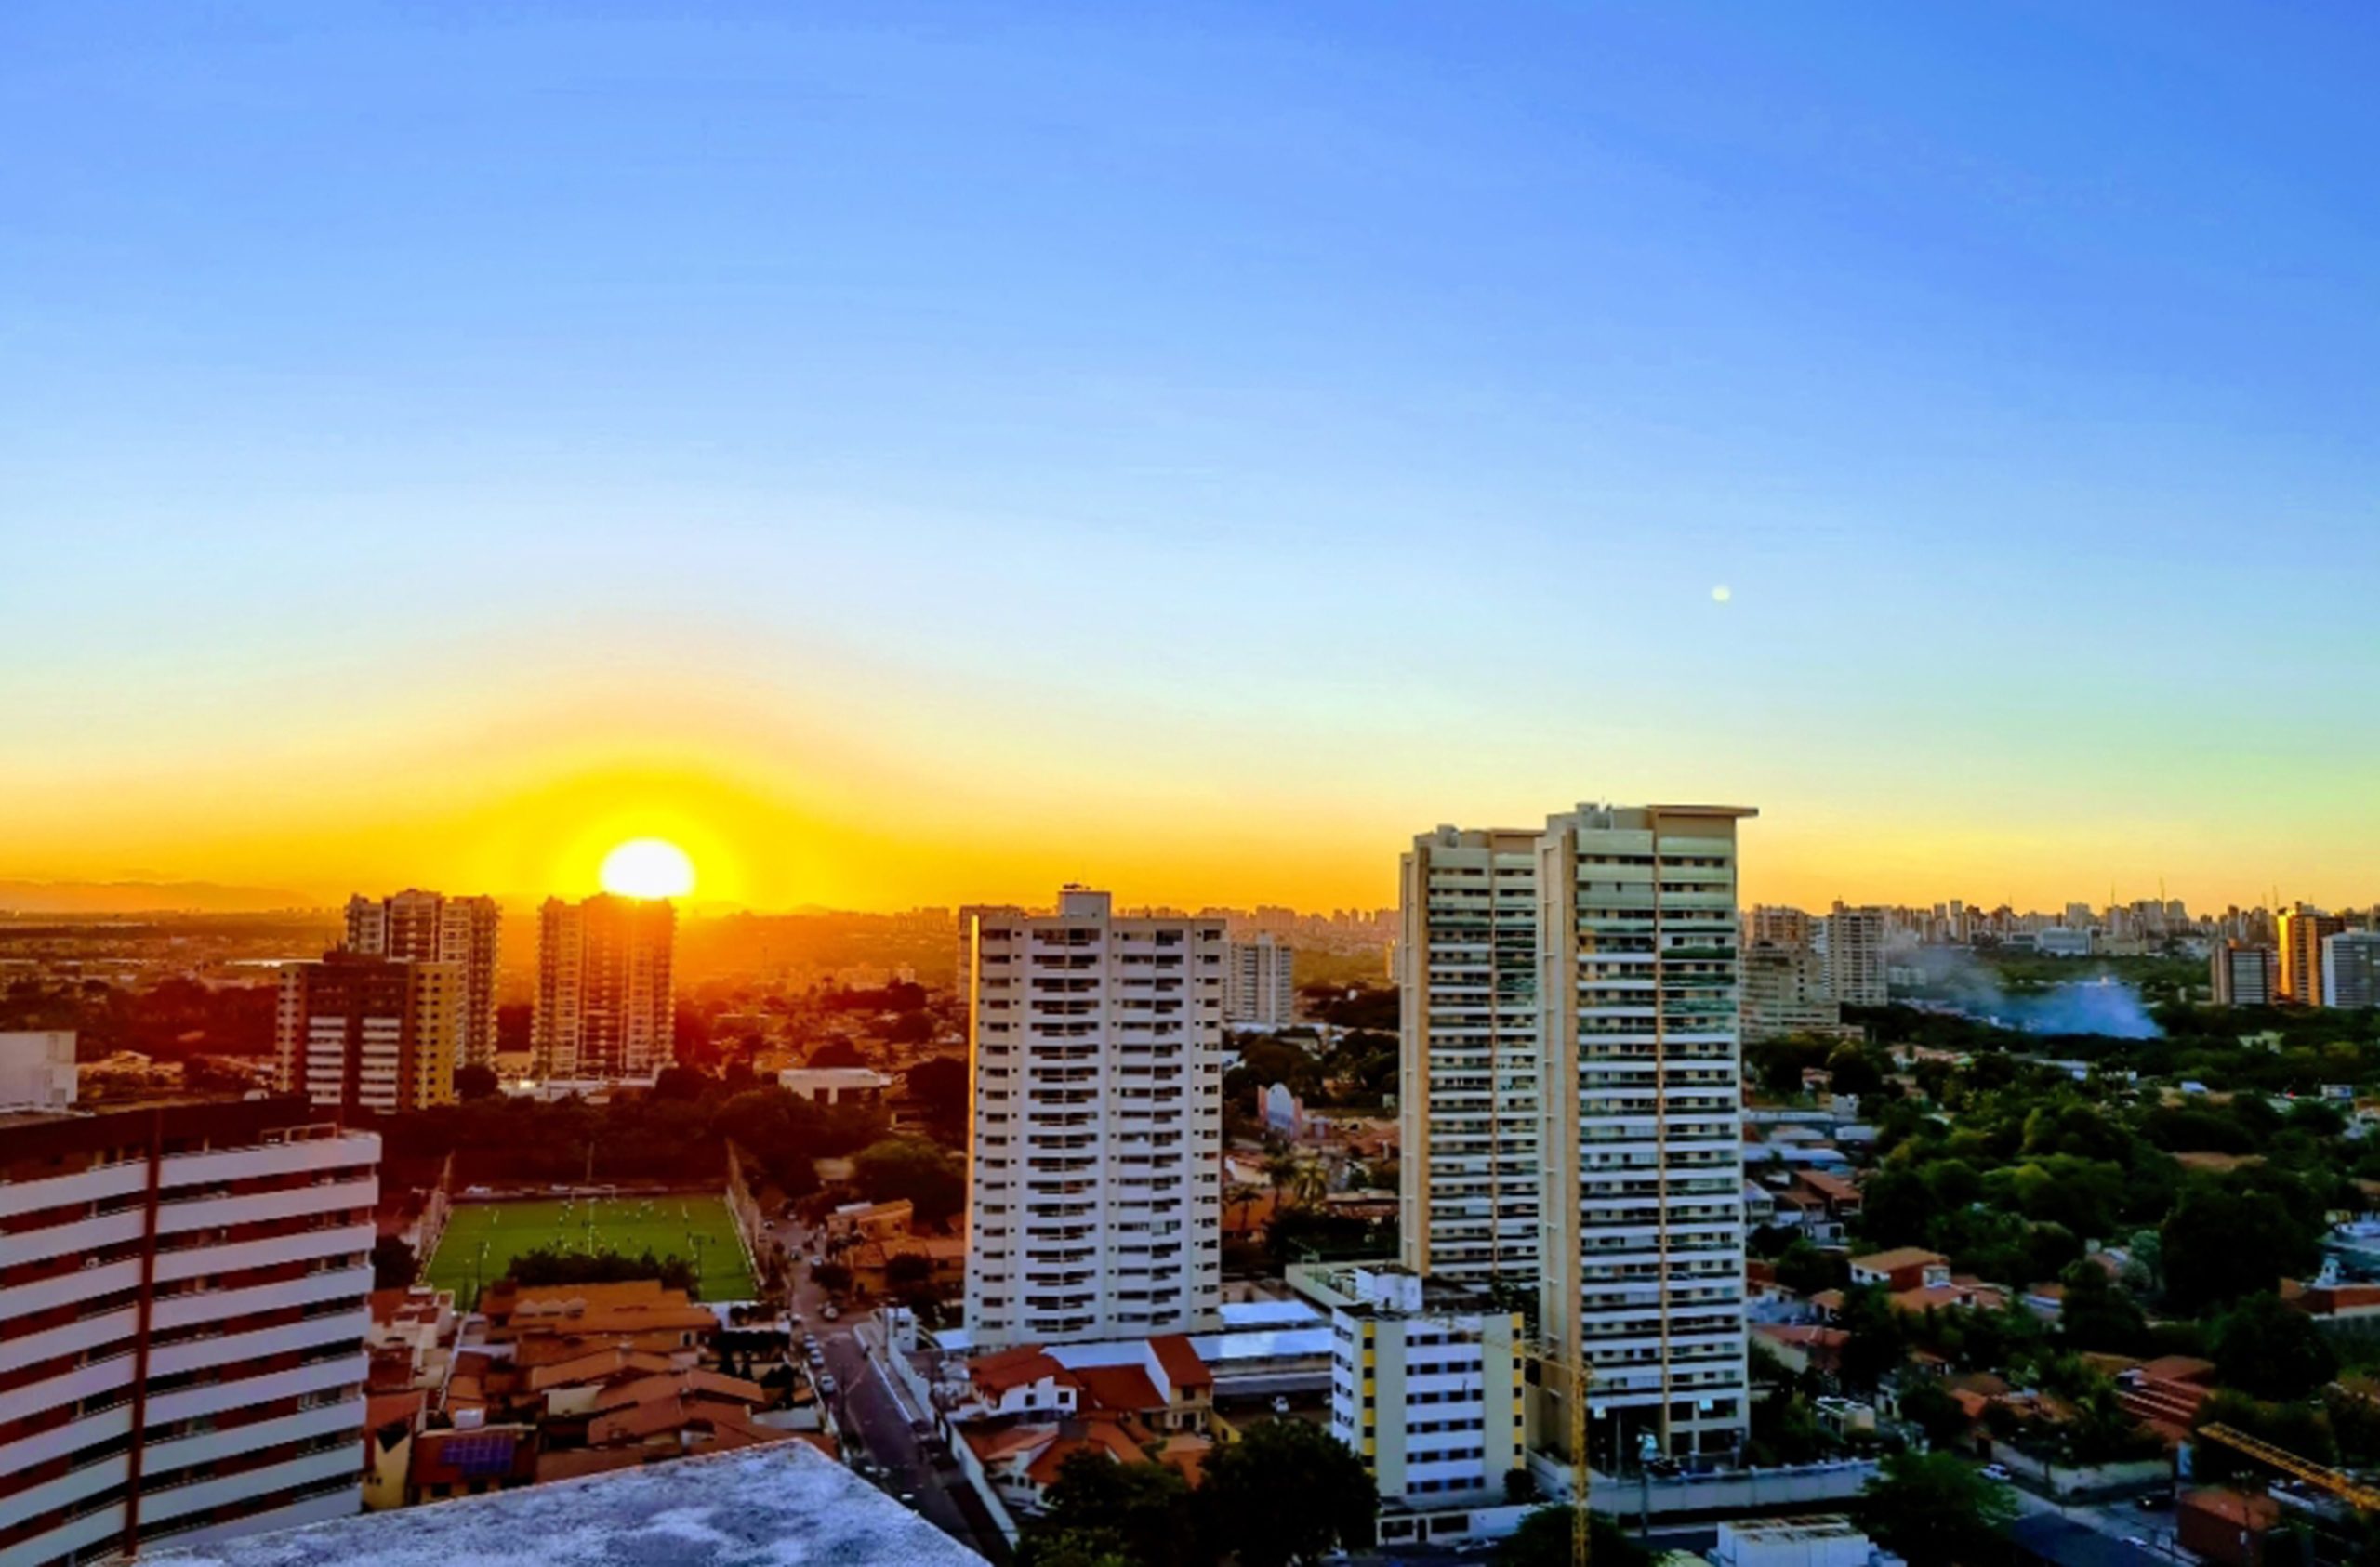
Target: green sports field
{"x":666,"y":1226}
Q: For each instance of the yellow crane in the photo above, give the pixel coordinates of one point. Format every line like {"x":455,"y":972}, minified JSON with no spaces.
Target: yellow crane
{"x":1556,"y":1360}
{"x":2353,"y":1492}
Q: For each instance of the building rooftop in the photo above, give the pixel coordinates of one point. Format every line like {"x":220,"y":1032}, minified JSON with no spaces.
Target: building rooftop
{"x":755,"y":1508}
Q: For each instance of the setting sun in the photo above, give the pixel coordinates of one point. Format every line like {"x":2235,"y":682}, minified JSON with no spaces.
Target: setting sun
{"x":648,"y":868}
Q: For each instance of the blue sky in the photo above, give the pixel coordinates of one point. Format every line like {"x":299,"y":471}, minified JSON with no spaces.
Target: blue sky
{"x":1297,"y":425}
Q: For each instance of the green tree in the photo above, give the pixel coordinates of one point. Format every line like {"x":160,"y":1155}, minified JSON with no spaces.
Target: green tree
{"x":2269,"y":1350}
{"x":394,"y":1264}
{"x":1143,"y":1513}
{"x":1934,"y":1509}
{"x":1930,"y":1407}
{"x":1286,"y":1492}
{"x":475,"y":1083}
{"x":914,"y":1168}
{"x":2222,"y":1242}
{"x":1877,"y":1342}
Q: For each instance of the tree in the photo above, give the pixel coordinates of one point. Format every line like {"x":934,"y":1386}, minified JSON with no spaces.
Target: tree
{"x":2097,"y":1315}
{"x":939,"y":1088}
{"x":475,"y":1083}
{"x":394,"y":1264}
{"x":1804,"y":1270}
{"x":550,"y":1265}
{"x":1849,"y":1071}
{"x":835,"y":1052}
{"x":1876,"y":1343}
{"x":1097,"y":1507}
{"x":832,"y":1277}
{"x":1287,"y":1492}
{"x":1930,"y":1407}
{"x":1932,"y":1509}
{"x":912,"y":1168}
{"x":1520,"y":1486}
{"x":1543,"y":1540}
{"x":2272,"y":1352}
{"x":2222,"y":1242}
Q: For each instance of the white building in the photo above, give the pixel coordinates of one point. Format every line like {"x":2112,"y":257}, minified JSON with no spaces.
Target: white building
{"x":1852,"y":941}
{"x":1628,"y":1209}
{"x":37,"y":1070}
{"x":1094,"y":1183}
{"x":1259,"y":988}
{"x":182,"y":1317}
{"x":2351,"y":969}
{"x":1828,"y":1540}
{"x":431,"y":928}
{"x":605,"y":1003}
{"x":1424,"y":1384}
{"x":834,"y":1085}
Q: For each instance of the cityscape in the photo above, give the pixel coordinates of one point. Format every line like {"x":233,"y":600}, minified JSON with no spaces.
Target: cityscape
{"x":1212,"y":786}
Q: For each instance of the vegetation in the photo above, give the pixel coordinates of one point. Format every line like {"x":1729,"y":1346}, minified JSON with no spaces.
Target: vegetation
{"x":591,"y":1241}
{"x":1543,"y":1540}
{"x":928,"y":1176}
{"x":1934,"y":1509}
{"x":550,"y":1265}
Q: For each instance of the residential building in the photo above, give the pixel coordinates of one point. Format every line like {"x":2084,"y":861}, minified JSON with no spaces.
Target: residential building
{"x":1425,"y":1385}
{"x":1467,"y":1089}
{"x":1095,"y":1174}
{"x":1829,"y":1540}
{"x":834,"y":1085}
{"x":431,"y":928}
{"x":1852,"y":941}
{"x":37,"y":1070}
{"x":1786,"y":990}
{"x":605,"y":1007}
{"x":2351,"y":969}
{"x":1260,"y":991}
{"x":1774,"y":924}
{"x":182,"y":1321}
{"x":378,"y":1033}
{"x":1627,"y":1214}
{"x":2243,"y":975}
{"x":2302,"y":933}
{"x":1642,"y":1272}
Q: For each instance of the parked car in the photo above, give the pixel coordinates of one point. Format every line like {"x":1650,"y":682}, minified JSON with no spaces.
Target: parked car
{"x":1995,"y":1471}
{"x":830,"y":1313}
{"x":825,"y":1382}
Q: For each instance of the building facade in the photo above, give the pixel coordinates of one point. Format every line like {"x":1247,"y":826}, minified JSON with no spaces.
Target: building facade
{"x":37,"y":1070}
{"x":2303,"y":930}
{"x":1572,"y":1101}
{"x":182,"y":1317}
{"x":1852,"y":941}
{"x":376,"y":1034}
{"x":1786,"y":990}
{"x":2243,"y":975}
{"x":1425,"y":1387}
{"x":1260,"y":989}
{"x":430,"y":928}
{"x":606,"y":1008}
{"x":2351,"y":969}
{"x":1095,"y":1135}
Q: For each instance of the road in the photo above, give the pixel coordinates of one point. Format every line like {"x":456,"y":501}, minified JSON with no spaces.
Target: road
{"x":875,"y":1423}
{"x":2119,"y":1519}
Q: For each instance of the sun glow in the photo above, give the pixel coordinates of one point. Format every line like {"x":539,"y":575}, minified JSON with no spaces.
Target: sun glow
{"x":648,"y":868}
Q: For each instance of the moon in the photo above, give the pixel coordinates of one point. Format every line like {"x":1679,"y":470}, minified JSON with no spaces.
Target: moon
{"x":1722,"y":593}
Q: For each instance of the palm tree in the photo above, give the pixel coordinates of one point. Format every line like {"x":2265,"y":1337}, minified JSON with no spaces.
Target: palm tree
{"x":1280,"y":1170}
{"x":1307,"y":1185}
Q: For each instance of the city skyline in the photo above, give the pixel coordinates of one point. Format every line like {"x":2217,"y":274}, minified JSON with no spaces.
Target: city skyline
{"x":416,"y":474}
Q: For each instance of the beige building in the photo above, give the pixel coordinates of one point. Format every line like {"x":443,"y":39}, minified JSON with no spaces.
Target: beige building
{"x":431,"y":928}
{"x":1785,"y":992}
{"x":1852,"y":942}
{"x":2303,"y":930}
{"x":382,"y":1035}
{"x":1260,"y":988}
{"x":1095,"y":1138}
{"x":1631,"y":1200}
{"x":606,"y":1009}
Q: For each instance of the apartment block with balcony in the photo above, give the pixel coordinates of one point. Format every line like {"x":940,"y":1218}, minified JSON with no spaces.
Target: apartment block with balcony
{"x":1260,"y":988}
{"x":2351,"y":969}
{"x":2242,"y":974}
{"x":383,"y":1035}
{"x":183,"y":1315}
{"x":1467,"y":1091}
{"x":1641,"y":1257}
{"x":606,"y":1003}
{"x":2302,"y":931}
{"x":431,"y":928}
{"x":1094,"y":1181}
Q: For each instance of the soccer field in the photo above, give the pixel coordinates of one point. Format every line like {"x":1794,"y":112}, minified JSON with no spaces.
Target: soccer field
{"x":666,"y":1226}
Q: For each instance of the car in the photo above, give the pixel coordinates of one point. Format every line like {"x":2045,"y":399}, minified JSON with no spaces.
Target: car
{"x":830,"y":1313}
{"x":908,"y":1498}
{"x":2136,"y":1542}
{"x":2156,"y":1501}
{"x":1995,"y":1471}
{"x":825,"y":1382}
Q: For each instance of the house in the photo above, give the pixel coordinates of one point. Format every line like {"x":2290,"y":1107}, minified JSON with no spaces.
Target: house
{"x":1021,"y":1381}
{"x":1801,"y":1346}
{"x":390,"y":1422}
{"x":1838,"y":1194}
{"x":1904,"y":1268}
{"x":471,"y":1461}
{"x":871,"y":1261}
{"x":871,"y":1222}
{"x":2165,"y":1394}
{"x":2227,"y":1526}
{"x":1961,"y":1292}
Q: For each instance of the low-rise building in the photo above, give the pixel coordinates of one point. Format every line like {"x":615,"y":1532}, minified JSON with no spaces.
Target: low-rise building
{"x":836,"y":1085}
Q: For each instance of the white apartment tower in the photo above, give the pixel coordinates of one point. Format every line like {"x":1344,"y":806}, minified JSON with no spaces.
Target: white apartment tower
{"x":182,"y":1313}
{"x":1260,"y":991}
{"x":1601,"y":1009}
{"x":1093,"y":1173}
{"x":430,"y":928}
{"x":605,"y":1005}
{"x":1852,"y":940}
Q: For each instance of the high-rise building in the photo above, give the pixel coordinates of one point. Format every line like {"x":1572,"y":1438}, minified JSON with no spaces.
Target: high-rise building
{"x":378,"y":1033}
{"x":1777,"y":925}
{"x":2351,"y":969}
{"x":37,"y":1070}
{"x":1590,"y":1126}
{"x":2243,"y":975}
{"x":1853,"y":943}
{"x":1467,"y":1087}
{"x":1786,"y":990}
{"x":1260,"y":990}
{"x":430,"y":928}
{"x":605,"y":1006}
{"x":2302,"y":931}
{"x":1096,"y":1137}
{"x":183,"y":1315}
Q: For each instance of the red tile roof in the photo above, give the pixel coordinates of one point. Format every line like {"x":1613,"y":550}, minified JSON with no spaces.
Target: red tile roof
{"x":1018,"y":1368}
{"x":1125,"y":1389}
{"x":1181,"y":1363}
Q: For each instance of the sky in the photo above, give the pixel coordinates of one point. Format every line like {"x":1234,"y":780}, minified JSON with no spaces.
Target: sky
{"x":912,"y":453}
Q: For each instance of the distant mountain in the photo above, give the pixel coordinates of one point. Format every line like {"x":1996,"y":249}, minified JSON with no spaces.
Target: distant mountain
{"x":146,"y":897}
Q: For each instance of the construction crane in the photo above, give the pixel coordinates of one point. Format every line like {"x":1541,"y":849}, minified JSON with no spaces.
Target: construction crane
{"x":1554,"y":1360}
{"x":2353,"y":1492}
